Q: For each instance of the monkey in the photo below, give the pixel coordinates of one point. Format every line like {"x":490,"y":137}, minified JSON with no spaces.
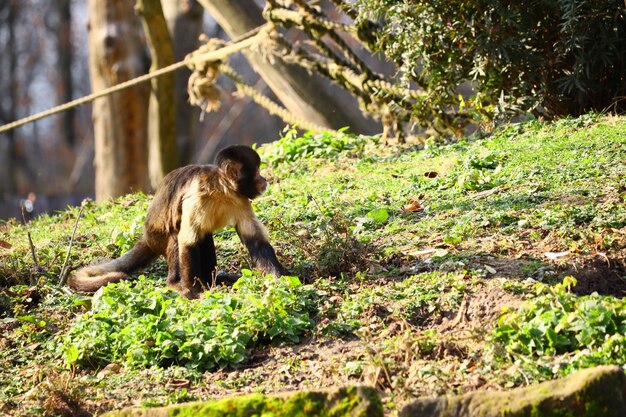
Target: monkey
{"x":189,"y":205}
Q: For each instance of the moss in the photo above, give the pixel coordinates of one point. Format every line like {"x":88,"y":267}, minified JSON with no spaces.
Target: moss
{"x":242,"y":406}
{"x":350,"y":401}
{"x":356,"y":402}
{"x":592,"y":392}
{"x":579,"y":394}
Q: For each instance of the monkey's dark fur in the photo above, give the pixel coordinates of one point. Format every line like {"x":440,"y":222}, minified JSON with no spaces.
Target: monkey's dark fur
{"x":189,"y":205}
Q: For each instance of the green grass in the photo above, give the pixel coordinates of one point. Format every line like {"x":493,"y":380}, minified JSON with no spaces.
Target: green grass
{"x":406,"y":254}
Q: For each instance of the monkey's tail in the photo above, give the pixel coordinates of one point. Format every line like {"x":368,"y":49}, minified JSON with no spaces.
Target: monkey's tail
{"x":90,"y":278}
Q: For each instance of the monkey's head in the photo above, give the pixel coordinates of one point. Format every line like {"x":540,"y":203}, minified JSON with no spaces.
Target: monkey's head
{"x":241,"y":164}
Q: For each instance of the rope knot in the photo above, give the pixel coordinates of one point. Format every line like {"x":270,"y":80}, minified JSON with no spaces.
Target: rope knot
{"x":202,"y":87}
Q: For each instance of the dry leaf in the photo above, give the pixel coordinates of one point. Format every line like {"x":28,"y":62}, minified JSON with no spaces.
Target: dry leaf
{"x":414,"y":205}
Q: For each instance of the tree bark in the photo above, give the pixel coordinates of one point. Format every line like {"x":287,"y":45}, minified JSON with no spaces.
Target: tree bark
{"x":184,"y":20}
{"x":162,"y":113}
{"x":120,"y":120}
{"x":13,"y":91}
{"x":64,"y":66}
{"x":308,"y":96}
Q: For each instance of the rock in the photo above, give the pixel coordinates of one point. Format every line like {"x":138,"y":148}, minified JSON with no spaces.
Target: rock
{"x":350,"y":401}
{"x":112,"y":368}
{"x":594,"y":392}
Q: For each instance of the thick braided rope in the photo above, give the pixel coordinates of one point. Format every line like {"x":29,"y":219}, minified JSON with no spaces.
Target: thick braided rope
{"x":269,"y":105}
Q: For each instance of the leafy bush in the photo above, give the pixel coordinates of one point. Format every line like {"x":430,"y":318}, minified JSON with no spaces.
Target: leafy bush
{"x":327,"y":145}
{"x":555,"y":57}
{"x":140,"y":325}
{"x":557,"y":322}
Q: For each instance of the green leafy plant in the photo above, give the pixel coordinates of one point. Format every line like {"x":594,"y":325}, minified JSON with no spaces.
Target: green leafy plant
{"x":557,"y":322}
{"x":327,"y":145}
{"x":142,"y":326}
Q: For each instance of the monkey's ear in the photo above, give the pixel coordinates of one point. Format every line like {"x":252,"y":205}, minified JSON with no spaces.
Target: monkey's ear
{"x":231,"y":170}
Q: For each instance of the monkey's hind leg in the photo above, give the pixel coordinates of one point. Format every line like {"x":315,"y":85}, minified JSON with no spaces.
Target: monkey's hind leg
{"x":191,"y":268}
{"x":203,"y":261}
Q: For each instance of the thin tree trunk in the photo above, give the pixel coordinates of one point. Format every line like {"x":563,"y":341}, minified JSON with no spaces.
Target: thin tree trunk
{"x":162,"y":113}
{"x":184,"y":20}
{"x":14,"y":8}
{"x":64,"y":66}
{"x":120,"y":120}
{"x":305,"y":95}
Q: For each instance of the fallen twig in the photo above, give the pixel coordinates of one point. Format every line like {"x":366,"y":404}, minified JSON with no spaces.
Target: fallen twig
{"x":489,"y":192}
{"x":64,"y":272}
{"x":33,"y":253}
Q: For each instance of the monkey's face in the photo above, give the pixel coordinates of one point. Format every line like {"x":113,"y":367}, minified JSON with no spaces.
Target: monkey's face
{"x":261,"y":183}
{"x":251,"y":184}
{"x":241,"y":164}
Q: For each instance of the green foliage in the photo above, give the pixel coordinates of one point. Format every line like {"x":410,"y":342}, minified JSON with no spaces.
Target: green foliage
{"x":394,"y":278}
{"x":378,"y":215}
{"x":553,"y":56}
{"x":143,"y":326}
{"x":557,"y":322}
{"x":123,"y":240}
{"x":480,"y":173}
{"x":528,"y":178}
{"x":293,"y":147}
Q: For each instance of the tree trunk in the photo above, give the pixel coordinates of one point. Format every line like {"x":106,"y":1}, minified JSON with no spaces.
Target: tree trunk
{"x":308,"y":96}
{"x":184,"y":20}
{"x":64,"y":66}
{"x":120,"y":120}
{"x":162,"y":113}
{"x":11,"y":154}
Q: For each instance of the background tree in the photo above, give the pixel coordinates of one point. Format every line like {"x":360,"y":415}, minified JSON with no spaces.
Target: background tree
{"x":65,"y":53}
{"x":8,"y":109}
{"x":184,"y":21}
{"x":116,"y":54}
{"x":162,"y":157}
{"x":20,"y":57}
{"x":468,"y":62}
{"x":40,"y":66}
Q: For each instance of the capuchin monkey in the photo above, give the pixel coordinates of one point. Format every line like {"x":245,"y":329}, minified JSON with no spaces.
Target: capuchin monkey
{"x":189,"y":205}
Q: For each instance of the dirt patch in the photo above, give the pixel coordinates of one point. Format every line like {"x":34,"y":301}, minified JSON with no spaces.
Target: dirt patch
{"x":59,"y":404}
{"x":323,"y":362}
{"x":606,"y":276}
{"x":8,"y":324}
{"x":480,"y":309}
{"x":486,"y":305}
{"x":316,"y":363}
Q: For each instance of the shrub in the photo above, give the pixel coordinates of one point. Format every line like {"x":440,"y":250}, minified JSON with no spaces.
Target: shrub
{"x":552,"y":57}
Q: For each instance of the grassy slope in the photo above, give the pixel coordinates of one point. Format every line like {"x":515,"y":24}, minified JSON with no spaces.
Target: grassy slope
{"x":418,"y":250}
